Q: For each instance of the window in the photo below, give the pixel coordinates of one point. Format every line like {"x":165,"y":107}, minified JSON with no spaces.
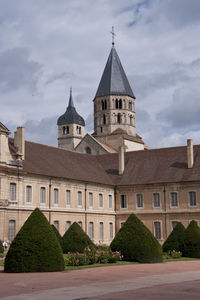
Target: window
{"x":67,"y":225}
{"x":120,"y":103}
{"x":192,"y":199}
{"x":65,"y":129}
{"x":68,"y":198}
{"x":78,"y":129}
{"x":174,"y":223}
{"x":111,"y":230}
{"x":55,"y":196}
{"x":100,"y":200}
{"x":80,"y":224}
{"x":156,"y":200}
{"x":157,"y":230}
{"x":116,"y":104}
{"x":174,"y":199}
{"x":88,"y":150}
{"x":118,"y":118}
{"x":28,"y":194}
{"x":90,"y":200}
{"x":104,"y":119}
{"x":42,"y":195}
{"x":130,"y":106}
{"x":123,"y":201}
{"x":139,"y":201}
{"x":102,"y":105}
{"x":12,"y":192}
{"x":101,"y":231}
{"x":56,"y":224}
{"x":109,"y":201}
{"x":91,"y":230}
{"x":11,"y":230}
{"x":105,"y":104}
{"x":79,"y":199}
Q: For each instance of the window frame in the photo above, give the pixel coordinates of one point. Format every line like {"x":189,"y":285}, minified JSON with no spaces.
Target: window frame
{"x":79,"y":199}
{"x":154,"y":228}
{"x":173,"y":206}
{"x":68,"y":198}
{"x":29,"y":192}
{"x":11,"y":234}
{"x":111,"y":236}
{"x":110,"y":201}
{"x":91,"y":235}
{"x":90,"y":200}
{"x":101,"y":231}
{"x":14,"y":200}
{"x":42,"y":188}
{"x":189,"y":202}
{"x":100,"y":200}
{"x":125,"y":201}
{"x":55,"y":196}
{"x":142,"y":198}
{"x":153,"y":200}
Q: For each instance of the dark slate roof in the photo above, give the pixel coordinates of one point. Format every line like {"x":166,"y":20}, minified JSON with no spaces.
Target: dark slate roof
{"x":70,"y":116}
{"x":114,"y":80}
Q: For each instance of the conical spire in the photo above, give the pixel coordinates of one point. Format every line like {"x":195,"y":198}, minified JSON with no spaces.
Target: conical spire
{"x":114,"y":80}
{"x":70,"y":116}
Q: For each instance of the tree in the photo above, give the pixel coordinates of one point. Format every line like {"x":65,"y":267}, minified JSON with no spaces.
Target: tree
{"x":136,"y":242}
{"x":192,"y":240}
{"x":175,"y":240}
{"x":76,"y":240}
{"x":35,"y":247}
{"x":1,"y":247}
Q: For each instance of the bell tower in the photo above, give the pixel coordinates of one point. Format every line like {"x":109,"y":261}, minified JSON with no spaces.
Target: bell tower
{"x":70,"y":127}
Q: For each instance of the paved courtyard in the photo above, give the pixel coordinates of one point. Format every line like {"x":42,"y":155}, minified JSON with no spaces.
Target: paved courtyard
{"x":171,"y":280}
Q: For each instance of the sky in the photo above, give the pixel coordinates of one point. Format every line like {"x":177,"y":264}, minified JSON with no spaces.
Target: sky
{"x":48,"y":46}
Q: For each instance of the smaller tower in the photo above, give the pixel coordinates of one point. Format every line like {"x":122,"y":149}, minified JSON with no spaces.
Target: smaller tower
{"x":70,"y":127}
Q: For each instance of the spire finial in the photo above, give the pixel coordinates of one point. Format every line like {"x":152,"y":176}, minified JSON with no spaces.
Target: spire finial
{"x":113,"y":36}
{"x":71,"y":103}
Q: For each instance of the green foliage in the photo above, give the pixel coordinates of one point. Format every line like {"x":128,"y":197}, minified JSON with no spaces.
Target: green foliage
{"x":192,"y":240}
{"x":136,"y":242}
{"x":76,"y":240}
{"x":35,"y":247}
{"x":175,"y":240}
{"x":1,"y":247}
{"x":59,"y":237}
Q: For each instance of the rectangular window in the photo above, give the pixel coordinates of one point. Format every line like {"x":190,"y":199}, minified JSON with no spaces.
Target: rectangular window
{"x":111,"y":230}
{"x":101,"y":231}
{"x":11,"y":230}
{"x":90,"y":200}
{"x":79,"y":199}
{"x":68,"y":198}
{"x":174,"y":199}
{"x":123,"y":201}
{"x":109,"y":201}
{"x":80,"y":223}
{"x":67,"y":225}
{"x":174,"y":223}
{"x":28,"y":194}
{"x":139,"y":201}
{"x":157,"y":230}
{"x":192,"y":199}
{"x":12,"y":192}
{"x":42,"y":195}
{"x":156,"y":200}
{"x":55,"y":196}
{"x":56,"y":224}
{"x":91,"y":230}
{"x":100,"y":200}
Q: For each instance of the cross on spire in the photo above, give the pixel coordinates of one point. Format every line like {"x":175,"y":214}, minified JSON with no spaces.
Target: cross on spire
{"x":113,"y":36}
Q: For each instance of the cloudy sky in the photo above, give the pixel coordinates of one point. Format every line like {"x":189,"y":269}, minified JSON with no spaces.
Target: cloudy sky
{"x":47,"y":46}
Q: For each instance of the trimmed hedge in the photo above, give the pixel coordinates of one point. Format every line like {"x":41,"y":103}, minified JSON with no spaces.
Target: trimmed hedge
{"x":76,"y":240}
{"x":35,"y":247}
{"x":175,"y":240}
{"x":1,"y":247}
{"x":192,"y":240}
{"x":59,"y":237}
{"x":136,"y":243}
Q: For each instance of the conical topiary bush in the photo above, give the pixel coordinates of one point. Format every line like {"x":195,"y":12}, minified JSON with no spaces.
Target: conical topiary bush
{"x":192,"y":240}
{"x":76,"y":240}
{"x":175,"y":240}
{"x":59,"y":237}
{"x":35,"y":247}
{"x":1,"y":247}
{"x":136,"y":243}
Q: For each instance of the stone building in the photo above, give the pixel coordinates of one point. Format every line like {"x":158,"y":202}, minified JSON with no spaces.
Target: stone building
{"x":93,"y":179}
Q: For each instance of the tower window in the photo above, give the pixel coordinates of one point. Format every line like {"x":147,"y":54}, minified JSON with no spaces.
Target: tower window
{"x":101,"y":129}
{"x":118,"y":118}
{"x":105,"y":104}
{"x":116,"y":104}
{"x":130,"y":106}
{"x":65,"y":129}
{"x":120,"y":104}
{"x":131,"y":120}
{"x":78,"y":129}
{"x":102,"y":105}
{"x":104,"y":119}
{"x":88,"y":150}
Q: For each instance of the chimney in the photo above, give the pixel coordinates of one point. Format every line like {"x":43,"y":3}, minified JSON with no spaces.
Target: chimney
{"x":190,"y":154}
{"x":121,"y":159}
{"x":19,"y":142}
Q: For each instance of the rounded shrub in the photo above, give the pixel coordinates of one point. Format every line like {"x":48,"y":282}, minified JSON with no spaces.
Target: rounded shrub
{"x":35,"y":247}
{"x":1,"y":247}
{"x":59,"y":237}
{"x":76,"y":240}
{"x":136,"y":243}
{"x":192,"y":240}
{"x":175,"y":240}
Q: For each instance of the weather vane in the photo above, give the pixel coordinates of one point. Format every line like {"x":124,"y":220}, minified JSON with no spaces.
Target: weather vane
{"x":113,"y":36}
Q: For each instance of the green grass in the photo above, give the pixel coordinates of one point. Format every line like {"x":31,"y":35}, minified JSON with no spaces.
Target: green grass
{"x":119,"y":263}
{"x":179,"y":259}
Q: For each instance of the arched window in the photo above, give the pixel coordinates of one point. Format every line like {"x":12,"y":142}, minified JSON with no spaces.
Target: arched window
{"x":102,"y":105}
{"x":88,"y":150}
{"x":104,"y":119}
{"x":116,"y":104}
{"x":120,"y":104}
{"x":65,"y":129}
{"x":131,"y":120}
{"x":118,"y":118}
{"x":130,"y":106}
{"x":105,"y":104}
